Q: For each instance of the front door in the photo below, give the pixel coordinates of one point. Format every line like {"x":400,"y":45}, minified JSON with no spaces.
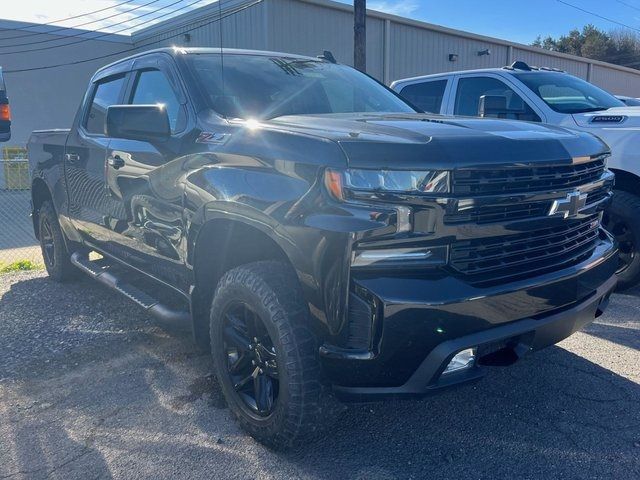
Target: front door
{"x":469,"y":89}
{"x":141,"y":178}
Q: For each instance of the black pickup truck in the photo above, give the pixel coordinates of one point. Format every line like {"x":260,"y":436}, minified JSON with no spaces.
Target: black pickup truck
{"x":328,"y":240}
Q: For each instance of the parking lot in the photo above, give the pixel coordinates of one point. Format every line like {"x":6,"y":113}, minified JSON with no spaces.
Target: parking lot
{"x":91,"y":387}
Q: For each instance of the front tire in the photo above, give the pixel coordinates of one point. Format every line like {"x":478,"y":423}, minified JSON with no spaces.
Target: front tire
{"x":622,"y":220}
{"x":52,"y":243}
{"x":264,"y":355}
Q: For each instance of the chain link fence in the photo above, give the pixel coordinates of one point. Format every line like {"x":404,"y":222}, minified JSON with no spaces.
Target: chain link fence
{"x":17,"y":241}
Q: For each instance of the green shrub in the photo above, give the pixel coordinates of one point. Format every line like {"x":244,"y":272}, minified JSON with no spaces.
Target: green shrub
{"x":20,"y":265}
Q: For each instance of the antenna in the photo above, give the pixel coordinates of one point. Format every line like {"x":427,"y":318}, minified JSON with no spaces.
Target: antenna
{"x":328,"y":56}
{"x":221,"y":50}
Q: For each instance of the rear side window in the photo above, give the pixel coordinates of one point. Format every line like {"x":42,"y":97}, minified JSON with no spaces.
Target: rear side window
{"x":106,"y":93}
{"x":426,"y":96}
{"x":471,"y":89}
{"x":153,"y":87}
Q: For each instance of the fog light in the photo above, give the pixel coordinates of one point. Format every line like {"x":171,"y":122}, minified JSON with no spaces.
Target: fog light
{"x":461,"y":361}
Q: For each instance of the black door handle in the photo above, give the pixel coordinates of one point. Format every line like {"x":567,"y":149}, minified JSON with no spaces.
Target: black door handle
{"x":115,"y":162}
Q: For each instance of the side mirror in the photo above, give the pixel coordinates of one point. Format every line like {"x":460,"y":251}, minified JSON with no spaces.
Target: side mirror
{"x":138,"y":122}
{"x":497,"y":106}
{"x":492,"y":106}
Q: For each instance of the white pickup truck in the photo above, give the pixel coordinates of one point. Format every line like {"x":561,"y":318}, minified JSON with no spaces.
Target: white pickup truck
{"x":552,"y":96}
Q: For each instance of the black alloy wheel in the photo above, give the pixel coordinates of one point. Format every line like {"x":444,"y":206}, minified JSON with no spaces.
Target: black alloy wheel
{"x":53,"y":244}
{"x":47,"y":242}
{"x":265,"y":356}
{"x":252,"y":363}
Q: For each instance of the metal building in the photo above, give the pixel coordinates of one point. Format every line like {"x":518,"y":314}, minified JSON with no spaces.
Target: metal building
{"x":396,"y":47}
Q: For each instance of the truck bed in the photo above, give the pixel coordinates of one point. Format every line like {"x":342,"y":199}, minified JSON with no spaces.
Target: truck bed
{"x":46,"y":146}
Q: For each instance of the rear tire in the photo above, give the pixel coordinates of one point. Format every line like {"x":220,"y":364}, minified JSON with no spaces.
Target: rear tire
{"x":54,"y":248}
{"x":622,"y":220}
{"x":270,"y":379}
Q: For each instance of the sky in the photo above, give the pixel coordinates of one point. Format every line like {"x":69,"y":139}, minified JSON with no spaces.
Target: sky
{"x":516,"y":20}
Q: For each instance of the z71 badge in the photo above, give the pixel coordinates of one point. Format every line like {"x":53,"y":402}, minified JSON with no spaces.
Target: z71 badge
{"x":214,"y":138}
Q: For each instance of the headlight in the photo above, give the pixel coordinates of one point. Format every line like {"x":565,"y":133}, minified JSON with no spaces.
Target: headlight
{"x":360,"y":182}
{"x":411,"y":257}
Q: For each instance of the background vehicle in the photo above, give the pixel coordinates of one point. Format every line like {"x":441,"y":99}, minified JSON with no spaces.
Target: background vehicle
{"x":5,"y":112}
{"x":322,"y":235}
{"x":629,"y":101}
{"x":521,"y":92}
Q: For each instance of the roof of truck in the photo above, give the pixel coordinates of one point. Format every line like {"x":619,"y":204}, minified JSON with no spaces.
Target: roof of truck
{"x":176,"y":51}
{"x":515,"y":67}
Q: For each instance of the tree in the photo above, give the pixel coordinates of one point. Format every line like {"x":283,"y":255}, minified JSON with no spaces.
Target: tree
{"x":619,"y":46}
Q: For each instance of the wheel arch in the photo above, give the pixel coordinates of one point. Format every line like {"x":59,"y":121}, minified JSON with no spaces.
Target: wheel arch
{"x":626,"y":181}
{"x":220,"y":245}
{"x":40,"y":193}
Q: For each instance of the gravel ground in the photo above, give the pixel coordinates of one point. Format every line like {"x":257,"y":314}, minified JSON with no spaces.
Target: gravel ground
{"x":91,"y":387}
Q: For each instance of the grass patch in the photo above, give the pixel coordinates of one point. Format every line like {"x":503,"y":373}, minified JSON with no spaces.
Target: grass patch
{"x":19,"y":266}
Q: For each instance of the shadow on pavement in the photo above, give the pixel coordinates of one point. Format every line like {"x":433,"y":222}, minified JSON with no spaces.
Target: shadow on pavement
{"x":142,"y":403}
{"x":629,"y":337}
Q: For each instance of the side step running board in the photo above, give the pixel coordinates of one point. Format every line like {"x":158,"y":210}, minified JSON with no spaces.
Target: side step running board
{"x":153,"y":306}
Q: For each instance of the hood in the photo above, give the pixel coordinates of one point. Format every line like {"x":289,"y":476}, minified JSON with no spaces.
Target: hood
{"x":623,"y":117}
{"x":413,"y":140}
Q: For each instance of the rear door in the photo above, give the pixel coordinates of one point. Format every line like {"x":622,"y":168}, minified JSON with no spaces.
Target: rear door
{"x":91,"y":209}
{"x":428,"y":95}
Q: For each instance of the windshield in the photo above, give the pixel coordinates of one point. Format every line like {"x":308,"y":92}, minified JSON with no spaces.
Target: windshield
{"x":568,"y":94}
{"x":629,"y":101}
{"x":261,"y":86}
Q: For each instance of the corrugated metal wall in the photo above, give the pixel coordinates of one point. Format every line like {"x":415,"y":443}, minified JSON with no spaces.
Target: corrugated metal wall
{"x":419,"y":51}
{"x":308,"y":29}
{"x":245,"y":29}
{"x":396,"y":47}
{"x":575,"y":67}
{"x":616,"y":81}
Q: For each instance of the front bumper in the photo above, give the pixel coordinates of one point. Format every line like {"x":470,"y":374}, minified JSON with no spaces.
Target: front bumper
{"x":424,"y":322}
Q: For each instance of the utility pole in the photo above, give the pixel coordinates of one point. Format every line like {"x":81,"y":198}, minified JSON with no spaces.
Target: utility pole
{"x":360,"y":34}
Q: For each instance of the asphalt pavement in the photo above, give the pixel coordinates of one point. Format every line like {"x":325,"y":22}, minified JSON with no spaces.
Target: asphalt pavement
{"x":92,"y":387}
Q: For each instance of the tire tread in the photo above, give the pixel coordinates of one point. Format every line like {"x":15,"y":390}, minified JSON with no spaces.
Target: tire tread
{"x":277,"y":289}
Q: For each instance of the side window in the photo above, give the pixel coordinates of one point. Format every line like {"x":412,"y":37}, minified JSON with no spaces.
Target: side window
{"x":471,"y":89}
{"x":106,"y":93}
{"x":153,"y":87}
{"x":427,"y":96}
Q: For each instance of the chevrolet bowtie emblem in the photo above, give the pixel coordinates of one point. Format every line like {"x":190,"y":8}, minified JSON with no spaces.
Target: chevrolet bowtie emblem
{"x":570,"y":206}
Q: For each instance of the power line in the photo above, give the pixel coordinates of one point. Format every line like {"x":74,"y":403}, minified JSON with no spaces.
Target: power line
{"x":597,"y":15}
{"x":77,"y":62}
{"x":52,"y":22}
{"x":32,"y":34}
{"x":96,"y":37}
{"x":628,"y":5}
